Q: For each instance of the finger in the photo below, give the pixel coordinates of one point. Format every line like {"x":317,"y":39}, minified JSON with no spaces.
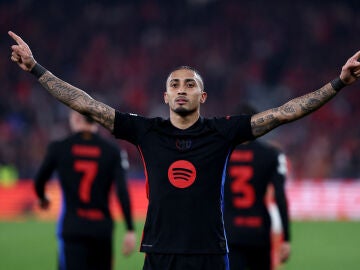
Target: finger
{"x":356,"y":73}
{"x":16,"y":48}
{"x":352,"y":64}
{"x":16,"y":38}
{"x":14,"y":59}
{"x":356,"y":56}
{"x":15,"y":55}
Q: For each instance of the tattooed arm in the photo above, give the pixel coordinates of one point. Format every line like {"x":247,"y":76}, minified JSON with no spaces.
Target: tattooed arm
{"x":71,"y":96}
{"x":292,"y":110}
{"x":78,"y":100}
{"x":299,"y":107}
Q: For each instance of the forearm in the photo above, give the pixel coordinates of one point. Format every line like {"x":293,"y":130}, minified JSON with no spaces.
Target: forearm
{"x":292,"y":110}
{"x":282,"y":204}
{"x":124,"y":199}
{"x":78,"y":100}
{"x":42,"y":176}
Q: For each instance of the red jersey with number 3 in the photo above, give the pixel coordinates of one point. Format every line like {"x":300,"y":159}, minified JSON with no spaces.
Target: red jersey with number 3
{"x":252,"y":167}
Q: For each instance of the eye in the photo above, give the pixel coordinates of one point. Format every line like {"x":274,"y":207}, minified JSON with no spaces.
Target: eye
{"x":173,"y":85}
{"x":191,"y":85}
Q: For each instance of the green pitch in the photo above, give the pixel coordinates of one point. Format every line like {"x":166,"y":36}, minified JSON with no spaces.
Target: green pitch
{"x":325,"y":245}
{"x":31,"y":245}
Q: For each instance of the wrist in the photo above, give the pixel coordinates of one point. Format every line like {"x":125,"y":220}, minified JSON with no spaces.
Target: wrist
{"x":337,"y":84}
{"x":38,"y":70}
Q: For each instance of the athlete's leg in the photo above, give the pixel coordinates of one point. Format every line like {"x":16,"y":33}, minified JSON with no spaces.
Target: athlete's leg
{"x":72,"y":254}
{"x":99,"y":254}
{"x":237,"y":258}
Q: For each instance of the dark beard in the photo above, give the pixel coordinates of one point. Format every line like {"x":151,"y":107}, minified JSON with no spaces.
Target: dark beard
{"x":183,"y":112}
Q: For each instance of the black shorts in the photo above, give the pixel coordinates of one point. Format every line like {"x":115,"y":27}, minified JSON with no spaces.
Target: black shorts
{"x":84,"y":253}
{"x":247,"y":257}
{"x":156,"y":261}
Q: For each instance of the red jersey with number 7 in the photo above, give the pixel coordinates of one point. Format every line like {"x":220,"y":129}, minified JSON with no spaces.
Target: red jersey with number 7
{"x":87,"y":165}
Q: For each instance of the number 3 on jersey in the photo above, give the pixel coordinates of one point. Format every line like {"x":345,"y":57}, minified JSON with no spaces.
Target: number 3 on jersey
{"x":89,"y":171}
{"x":243,"y":192}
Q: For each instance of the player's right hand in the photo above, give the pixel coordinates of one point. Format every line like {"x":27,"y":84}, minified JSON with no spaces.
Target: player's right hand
{"x":21,"y":53}
{"x":285,"y":251}
{"x":44,"y":203}
{"x":129,"y":243}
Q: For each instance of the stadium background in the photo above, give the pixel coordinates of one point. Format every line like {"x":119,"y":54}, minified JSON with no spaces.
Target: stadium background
{"x":121,"y":52}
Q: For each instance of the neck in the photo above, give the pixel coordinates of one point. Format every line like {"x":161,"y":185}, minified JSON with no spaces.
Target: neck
{"x":85,"y":128}
{"x":183,"y":122}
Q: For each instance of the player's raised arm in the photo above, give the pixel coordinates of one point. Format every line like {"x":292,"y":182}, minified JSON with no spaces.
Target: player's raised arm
{"x":299,"y":107}
{"x":68,"y":94}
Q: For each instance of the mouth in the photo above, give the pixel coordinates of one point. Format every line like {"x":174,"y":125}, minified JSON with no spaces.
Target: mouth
{"x":181,"y":100}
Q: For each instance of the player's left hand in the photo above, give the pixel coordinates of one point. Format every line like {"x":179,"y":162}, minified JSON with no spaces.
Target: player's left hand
{"x":129,"y":243}
{"x":350,"y":72}
{"x":285,"y":250}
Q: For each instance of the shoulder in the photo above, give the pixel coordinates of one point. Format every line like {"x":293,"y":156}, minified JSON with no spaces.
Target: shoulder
{"x":229,"y":118}
{"x":262,"y":148}
{"x":131,"y":127}
{"x":274,"y":147}
{"x":123,"y":117}
{"x":107,"y":143}
{"x":58,"y":144}
{"x":227,"y":121}
{"x":237,"y":128}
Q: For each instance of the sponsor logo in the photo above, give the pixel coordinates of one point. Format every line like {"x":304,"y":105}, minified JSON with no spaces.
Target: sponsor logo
{"x":182,"y":174}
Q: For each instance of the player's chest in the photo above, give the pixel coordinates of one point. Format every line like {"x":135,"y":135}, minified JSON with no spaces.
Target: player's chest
{"x":184,"y":146}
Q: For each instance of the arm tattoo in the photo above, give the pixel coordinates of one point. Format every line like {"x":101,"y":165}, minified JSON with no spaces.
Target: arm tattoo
{"x":78,"y":100}
{"x":292,"y":110}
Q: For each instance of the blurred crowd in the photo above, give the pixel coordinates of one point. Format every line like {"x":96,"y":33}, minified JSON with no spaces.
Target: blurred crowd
{"x":121,"y":52}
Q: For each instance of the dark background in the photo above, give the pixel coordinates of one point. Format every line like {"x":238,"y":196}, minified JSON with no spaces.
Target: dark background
{"x":121,"y":52}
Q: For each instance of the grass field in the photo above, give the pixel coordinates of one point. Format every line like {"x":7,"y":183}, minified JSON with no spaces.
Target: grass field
{"x":31,"y":245}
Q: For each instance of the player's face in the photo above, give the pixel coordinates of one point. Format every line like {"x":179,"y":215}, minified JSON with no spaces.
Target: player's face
{"x":183,"y":92}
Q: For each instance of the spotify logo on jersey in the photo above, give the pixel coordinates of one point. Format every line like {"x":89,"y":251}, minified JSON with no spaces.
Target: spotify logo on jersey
{"x":182,"y":174}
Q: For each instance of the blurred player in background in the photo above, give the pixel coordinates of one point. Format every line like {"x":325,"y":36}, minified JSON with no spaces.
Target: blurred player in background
{"x":87,"y":166}
{"x":253,"y":167}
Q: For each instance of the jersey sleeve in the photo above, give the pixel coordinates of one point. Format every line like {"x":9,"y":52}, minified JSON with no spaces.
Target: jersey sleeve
{"x":122,"y":190}
{"x":236,"y":128}
{"x":278,"y":180}
{"x":45,"y":171}
{"x":130,"y":127}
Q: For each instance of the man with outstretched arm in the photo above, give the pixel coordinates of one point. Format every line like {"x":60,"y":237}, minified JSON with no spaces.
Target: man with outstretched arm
{"x":184,"y":157}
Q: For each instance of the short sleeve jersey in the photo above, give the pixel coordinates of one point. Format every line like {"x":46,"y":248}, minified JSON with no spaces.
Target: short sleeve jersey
{"x":252,"y":167}
{"x":86,"y":170}
{"x":185,"y":172}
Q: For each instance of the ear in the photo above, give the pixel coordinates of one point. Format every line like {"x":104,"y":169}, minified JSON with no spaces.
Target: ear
{"x":203,"y":97}
{"x":166,"y":99}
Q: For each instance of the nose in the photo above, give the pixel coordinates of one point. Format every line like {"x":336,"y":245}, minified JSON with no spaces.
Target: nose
{"x":181,"y":91}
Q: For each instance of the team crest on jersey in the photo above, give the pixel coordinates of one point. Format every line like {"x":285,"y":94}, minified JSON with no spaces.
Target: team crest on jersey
{"x":183,"y":144}
{"x":182,"y":174}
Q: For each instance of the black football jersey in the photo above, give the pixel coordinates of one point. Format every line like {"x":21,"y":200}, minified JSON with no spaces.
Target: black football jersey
{"x":87,"y":166}
{"x":185,"y":172}
{"x":251,"y":168}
